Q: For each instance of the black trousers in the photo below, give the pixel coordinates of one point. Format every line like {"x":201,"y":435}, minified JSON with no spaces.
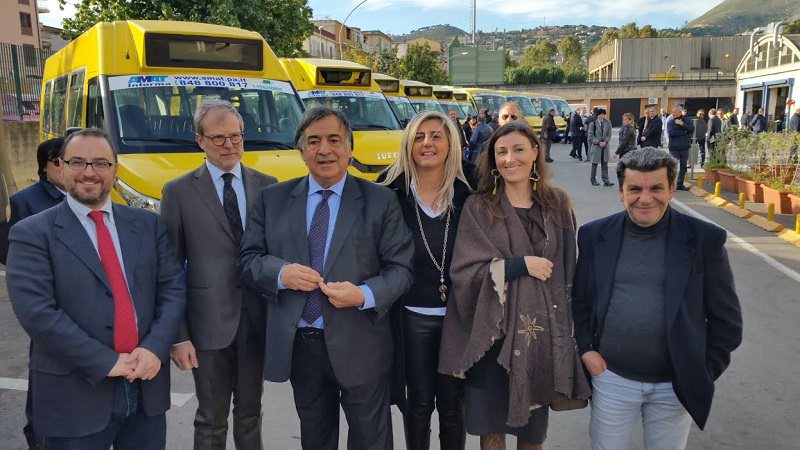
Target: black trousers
{"x":427,"y":388}
{"x":235,"y":371}
{"x":577,"y":142}
{"x":318,"y":394}
{"x":702,"y":144}
{"x":603,"y":171}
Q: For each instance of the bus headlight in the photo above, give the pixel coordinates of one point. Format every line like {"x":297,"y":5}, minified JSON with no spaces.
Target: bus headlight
{"x":135,"y":199}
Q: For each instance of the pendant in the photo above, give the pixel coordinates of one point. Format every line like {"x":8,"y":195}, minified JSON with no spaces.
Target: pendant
{"x":443,"y":292}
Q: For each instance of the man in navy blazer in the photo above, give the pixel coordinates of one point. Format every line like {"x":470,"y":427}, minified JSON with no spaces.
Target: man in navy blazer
{"x":88,"y":392}
{"x":331,"y":253}
{"x":655,"y":310}
{"x":44,"y":194}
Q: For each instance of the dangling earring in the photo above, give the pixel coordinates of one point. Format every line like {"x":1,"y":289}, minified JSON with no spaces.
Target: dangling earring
{"x":534,"y":177}
{"x":496,"y":175}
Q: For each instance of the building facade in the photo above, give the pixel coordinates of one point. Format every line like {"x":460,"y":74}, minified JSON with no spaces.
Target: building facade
{"x":321,"y":44}
{"x":766,"y":78}
{"x":19,"y":23}
{"x":378,"y":40}
{"x":343,"y":35}
{"x":687,"y":58}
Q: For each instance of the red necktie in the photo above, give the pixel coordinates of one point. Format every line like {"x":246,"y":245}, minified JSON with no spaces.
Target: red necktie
{"x":126,"y":337}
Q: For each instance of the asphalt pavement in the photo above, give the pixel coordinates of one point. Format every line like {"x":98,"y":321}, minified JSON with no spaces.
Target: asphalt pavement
{"x":755,"y":405}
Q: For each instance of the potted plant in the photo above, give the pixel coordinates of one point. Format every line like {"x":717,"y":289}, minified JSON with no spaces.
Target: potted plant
{"x":777,"y":194}
{"x":750,"y":185}
{"x":777,"y":168}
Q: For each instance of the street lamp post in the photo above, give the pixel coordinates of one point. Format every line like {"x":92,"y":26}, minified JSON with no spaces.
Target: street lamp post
{"x":666,"y":77}
{"x":446,"y":60}
{"x":339,"y":37}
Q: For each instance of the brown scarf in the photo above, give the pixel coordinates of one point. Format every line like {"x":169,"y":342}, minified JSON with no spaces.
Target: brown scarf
{"x":533,"y":317}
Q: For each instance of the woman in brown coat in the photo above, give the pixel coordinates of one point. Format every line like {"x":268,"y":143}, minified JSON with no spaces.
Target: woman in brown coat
{"x":508,"y":327}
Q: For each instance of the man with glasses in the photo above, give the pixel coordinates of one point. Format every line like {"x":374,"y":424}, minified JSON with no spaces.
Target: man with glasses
{"x":222,"y":338}
{"x":97,"y":288}
{"x":510,"y":112}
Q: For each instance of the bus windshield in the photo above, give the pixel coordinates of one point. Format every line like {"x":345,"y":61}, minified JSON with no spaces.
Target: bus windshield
{"x":427,"y":105}
{"x":364,"y":110}
{"x":154,"y":114}
{"x":525,"y":104}
{"x":489,"y":101}
{"x":403,"y":108}
{"x":453,"y":106}
{"x":469,"y":109}
{"x":562,"y":107}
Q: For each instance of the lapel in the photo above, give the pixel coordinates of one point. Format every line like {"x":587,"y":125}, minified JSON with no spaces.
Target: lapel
{"x":296,"y":206}
{"x":349,"y":209}
{"x":52,"y":190}
{"x":679,"y":257}
{"x":251,"y":190}
{"x":72,"y":234}
{"x":606,"y":254}
{"x":202,"y":183}
{"x":127,"y":230}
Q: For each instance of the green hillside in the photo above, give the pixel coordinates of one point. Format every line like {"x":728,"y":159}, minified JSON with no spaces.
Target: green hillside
{"x":738,"y":16}
{"x":439,"y":33}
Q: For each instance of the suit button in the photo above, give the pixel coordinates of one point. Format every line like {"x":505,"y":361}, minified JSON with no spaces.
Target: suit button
{"x":108,"y":327}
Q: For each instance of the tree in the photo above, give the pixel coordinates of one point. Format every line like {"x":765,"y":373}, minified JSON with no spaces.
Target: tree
{"x":540,"y":54}
{"x":285,"y":24}
{"x":421,"y":64}
{"x":571,"y":50}
{"x":388,"y":63}
{"x":792,"y":28}
{"x":358,"y":56}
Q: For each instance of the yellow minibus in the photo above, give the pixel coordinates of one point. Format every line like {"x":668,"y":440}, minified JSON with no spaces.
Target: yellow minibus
{"x":348,"y":87}
{"x":421,"y":96}
{"x":390,"y":86}
{"x":141,"y":82}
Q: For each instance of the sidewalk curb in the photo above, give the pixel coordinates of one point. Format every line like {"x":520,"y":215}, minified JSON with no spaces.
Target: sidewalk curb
{"x":784,"y":234}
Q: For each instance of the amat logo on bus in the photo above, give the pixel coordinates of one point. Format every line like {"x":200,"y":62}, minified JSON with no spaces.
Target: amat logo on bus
{"x":147,"y":79}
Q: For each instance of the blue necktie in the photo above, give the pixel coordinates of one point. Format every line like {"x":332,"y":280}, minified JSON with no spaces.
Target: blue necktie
{"x":317,"y":237}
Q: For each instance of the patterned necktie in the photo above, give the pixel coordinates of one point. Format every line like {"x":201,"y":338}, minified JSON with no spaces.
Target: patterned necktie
{"x":230,"y":203}
{"x":317,"y":237}
{"x":126,"y":338}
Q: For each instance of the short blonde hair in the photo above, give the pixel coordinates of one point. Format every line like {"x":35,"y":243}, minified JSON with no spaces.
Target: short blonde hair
{"x":453,"y":169}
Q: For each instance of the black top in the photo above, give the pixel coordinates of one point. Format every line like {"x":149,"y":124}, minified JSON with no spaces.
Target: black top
{"x":424,"y":291}
{"x":634,"y":340}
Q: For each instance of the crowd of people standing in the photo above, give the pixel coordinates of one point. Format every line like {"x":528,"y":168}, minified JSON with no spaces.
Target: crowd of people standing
{"x":461,"y":285}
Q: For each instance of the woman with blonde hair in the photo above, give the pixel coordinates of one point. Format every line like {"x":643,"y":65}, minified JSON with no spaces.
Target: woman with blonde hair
{"x":627,"y":135}
{"x":508,"y":328}
{"x":432,"y":183}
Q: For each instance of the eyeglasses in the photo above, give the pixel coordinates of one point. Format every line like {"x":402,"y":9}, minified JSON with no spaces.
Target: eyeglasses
{"x":79,"y":165}
{"x":219,"y":140}
{"x":506,"y":116}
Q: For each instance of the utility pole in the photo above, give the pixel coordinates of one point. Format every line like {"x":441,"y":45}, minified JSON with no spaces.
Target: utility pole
{"x":473,"y":11}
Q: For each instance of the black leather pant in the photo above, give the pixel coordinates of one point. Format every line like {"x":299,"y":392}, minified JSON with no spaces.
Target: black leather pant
{"x":427,"y":388}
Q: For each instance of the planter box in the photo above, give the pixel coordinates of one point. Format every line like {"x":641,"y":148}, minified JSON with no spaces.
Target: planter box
{"x":728,"y":181}
{"x":751,"y":189}
{"x":711,"y":180}
{"x":794,"y":199}
{"x":783,"y":205}
{"x":786,"y":172}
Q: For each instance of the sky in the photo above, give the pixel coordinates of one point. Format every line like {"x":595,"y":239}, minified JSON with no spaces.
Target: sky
{"x":402,"y":16}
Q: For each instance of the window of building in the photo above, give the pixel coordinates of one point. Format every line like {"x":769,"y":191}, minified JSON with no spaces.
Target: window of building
{"x":26,"y":24}
{"x":24,"y":2}
{"x":29,"y":55}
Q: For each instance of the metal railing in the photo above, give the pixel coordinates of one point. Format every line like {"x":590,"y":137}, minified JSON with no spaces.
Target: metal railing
{"x":21,"y":70}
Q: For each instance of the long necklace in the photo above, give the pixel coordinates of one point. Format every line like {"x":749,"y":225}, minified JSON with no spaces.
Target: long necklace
{"x":440,"y":267}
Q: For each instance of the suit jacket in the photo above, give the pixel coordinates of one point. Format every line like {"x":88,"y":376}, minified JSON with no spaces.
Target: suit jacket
{"x":702,"y":313}
{"x":680,"y":136}
{"x":595,"y":135}
{"x":61,"y":296}
{"x":27,"y":202}
{"x":651,"y":133}
{"x":370,"y":245}
{"x":714,"y":128}
{"x":758,"y":123}
{"x":576,"y":126}
{"x":203,"y":239}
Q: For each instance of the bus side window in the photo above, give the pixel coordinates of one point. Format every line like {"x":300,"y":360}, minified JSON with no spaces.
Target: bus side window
{"x":59,"y":104}
{"x":94,"y":105}
{"x":48,"y":109}
{"x":76,"y":99}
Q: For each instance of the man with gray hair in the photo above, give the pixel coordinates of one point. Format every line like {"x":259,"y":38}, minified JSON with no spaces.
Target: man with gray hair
{"x":331,"y":254}
{"x":655,"y":309}
{"x":222,"y":337}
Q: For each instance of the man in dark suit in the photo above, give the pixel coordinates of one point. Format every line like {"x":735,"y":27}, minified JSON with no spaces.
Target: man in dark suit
{"x":480,"y":135}
{"x":98,"y":289}
{"x":332,"y":253}
{"x":222,"y":339}
{"x":578,"y":131}
{"x":759,"y":123}
{"x":655,"y":309}
{"x":650,"y":128}
{"x":44,"y":194}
